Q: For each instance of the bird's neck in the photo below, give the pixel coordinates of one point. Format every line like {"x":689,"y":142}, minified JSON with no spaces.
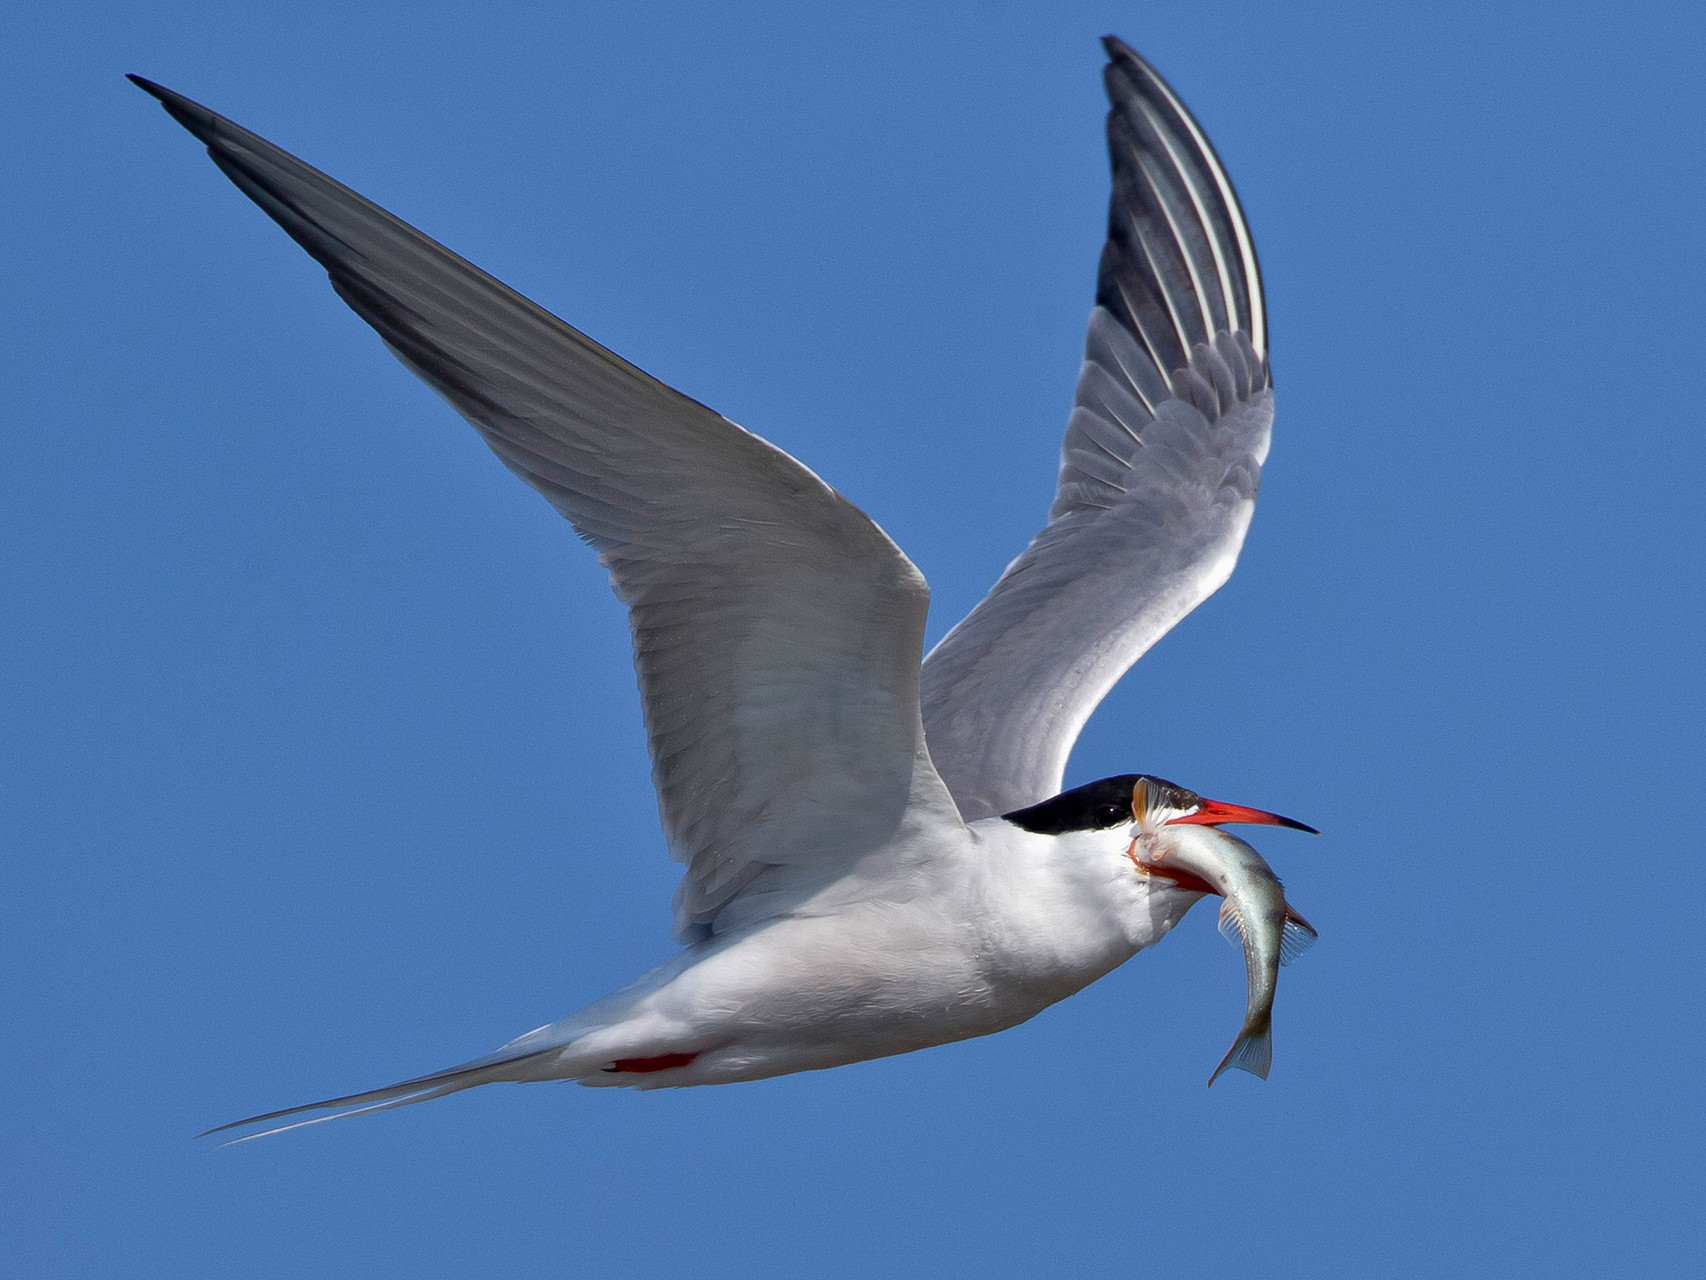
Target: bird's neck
{"x":1070,"y":902}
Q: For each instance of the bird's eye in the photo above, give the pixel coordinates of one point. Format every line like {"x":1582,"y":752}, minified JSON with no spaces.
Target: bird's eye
{"x":1114,"y":814}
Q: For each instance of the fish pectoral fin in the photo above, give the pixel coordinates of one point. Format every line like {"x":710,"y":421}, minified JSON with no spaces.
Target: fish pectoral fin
{"x":1231,"y":923}
{"x":1298,"y":937}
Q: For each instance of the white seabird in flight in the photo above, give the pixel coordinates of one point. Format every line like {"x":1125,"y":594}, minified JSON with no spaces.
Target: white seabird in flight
{"x":877,"y":859}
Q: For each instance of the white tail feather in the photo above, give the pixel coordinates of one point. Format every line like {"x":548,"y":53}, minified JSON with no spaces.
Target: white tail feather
{"x":406,"y":1101}
{"x":487,"y":1070}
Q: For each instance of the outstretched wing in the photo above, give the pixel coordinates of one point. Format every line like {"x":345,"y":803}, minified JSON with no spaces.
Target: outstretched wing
{"x":777,"y":631}
{"x":1158,"y":473}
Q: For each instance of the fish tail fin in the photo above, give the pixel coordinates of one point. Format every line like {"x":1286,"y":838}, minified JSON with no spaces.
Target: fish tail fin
{"x":1252,"y":1051}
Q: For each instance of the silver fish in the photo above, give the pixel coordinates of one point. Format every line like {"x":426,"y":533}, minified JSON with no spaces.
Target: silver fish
{"x":1255,"y":914}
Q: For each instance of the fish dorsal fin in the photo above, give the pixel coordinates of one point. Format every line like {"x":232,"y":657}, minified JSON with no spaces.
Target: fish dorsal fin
{"x":1298,"y":937}
{"x":1231,"y":923}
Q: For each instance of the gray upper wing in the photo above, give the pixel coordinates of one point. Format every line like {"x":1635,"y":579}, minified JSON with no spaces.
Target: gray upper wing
{"x":1158,"y":472}
{"x":777,"y":631}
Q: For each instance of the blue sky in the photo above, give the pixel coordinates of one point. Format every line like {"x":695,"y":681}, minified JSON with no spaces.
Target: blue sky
{"x":322,"y":761}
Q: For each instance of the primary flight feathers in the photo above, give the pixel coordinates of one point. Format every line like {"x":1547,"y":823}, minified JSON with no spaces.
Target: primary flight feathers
{"x":777,"y":631}
{"x":1158,"y":474}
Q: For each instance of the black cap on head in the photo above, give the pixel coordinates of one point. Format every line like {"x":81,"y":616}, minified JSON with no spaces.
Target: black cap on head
{"x":1100,"y":805}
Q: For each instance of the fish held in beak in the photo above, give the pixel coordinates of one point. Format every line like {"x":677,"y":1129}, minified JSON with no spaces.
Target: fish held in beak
{"x":1254,"y":916}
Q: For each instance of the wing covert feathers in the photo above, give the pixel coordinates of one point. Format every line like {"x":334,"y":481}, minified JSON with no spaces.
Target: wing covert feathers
{"x":1158,"y":471}
{"x":777,"y":631}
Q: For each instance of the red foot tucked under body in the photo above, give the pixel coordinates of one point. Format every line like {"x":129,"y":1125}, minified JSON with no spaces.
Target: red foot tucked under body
{"x":663,"y":1062}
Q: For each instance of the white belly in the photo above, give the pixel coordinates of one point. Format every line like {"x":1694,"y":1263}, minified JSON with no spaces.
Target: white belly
{"x":870,"y":979}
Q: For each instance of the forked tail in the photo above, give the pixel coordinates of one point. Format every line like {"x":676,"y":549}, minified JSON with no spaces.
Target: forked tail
{"x":490,"y":1069}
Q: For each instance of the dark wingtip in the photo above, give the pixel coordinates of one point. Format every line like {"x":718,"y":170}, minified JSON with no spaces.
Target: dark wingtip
{"x":147,"y":86}
{"x":186,"y":111}
{"x":1118,"y":50}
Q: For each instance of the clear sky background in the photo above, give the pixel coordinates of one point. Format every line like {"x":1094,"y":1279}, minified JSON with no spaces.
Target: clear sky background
{"x":320,"y":758}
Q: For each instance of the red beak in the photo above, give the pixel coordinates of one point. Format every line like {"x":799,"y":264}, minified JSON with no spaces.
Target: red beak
{"x":1214,"y":812}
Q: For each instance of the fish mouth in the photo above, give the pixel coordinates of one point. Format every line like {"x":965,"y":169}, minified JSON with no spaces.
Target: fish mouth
{"x":1211,"y":813}
{"x":1179,"y":879}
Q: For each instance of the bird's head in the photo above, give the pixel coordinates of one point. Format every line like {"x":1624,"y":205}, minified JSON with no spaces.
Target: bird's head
{"x":1133,"y":806}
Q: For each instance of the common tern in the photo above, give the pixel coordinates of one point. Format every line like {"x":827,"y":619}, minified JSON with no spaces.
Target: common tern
{"x":879,"y":857}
